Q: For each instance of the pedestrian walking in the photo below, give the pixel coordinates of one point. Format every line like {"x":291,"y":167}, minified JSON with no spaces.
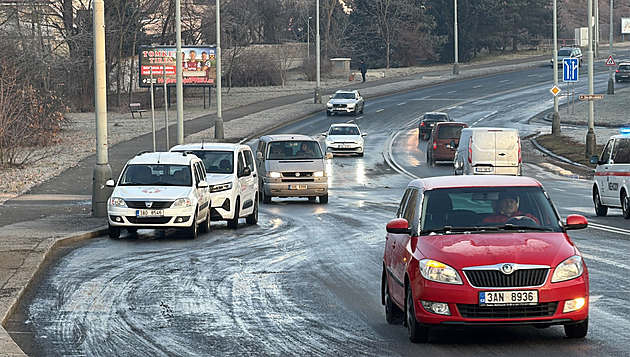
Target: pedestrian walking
{"x":363,"y":69}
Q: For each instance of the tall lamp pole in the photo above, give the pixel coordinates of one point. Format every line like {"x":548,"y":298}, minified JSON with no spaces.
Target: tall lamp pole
{"x":455,"y":35}
{"x":179,"y":91}
{"x":611,"y":82}
{"x":308,"y":38}
{"x":590,"y":135}
{"x":102,"y":171}
{"x":218,"y":123}
{"x":555,"y":122}
{"x":318,"y":93}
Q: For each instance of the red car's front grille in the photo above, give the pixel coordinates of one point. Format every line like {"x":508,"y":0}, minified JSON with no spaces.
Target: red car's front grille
{"x":496,"y":279}
{"x":507,"y":312}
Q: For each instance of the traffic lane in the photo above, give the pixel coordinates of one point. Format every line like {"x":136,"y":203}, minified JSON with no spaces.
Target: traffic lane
{"x":306,"y":279}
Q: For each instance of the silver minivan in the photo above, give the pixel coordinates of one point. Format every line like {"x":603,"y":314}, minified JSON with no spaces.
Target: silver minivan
{"x":488,"y":151}
{"x":291,"y":165}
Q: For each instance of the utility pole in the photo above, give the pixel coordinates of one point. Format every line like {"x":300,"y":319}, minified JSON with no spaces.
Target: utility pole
{"x":590,"y":135}
{"x":318,"y":92}
{"x":102,"y":171}
{"x":179,"y":75}
{"x":611,"y":82}
{"x":218,"y":123}
{"x":555,"y":122}
{"x":455,"y":35}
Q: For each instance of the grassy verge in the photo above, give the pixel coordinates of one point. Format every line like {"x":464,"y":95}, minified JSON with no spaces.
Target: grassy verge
{"x":564,"y":146}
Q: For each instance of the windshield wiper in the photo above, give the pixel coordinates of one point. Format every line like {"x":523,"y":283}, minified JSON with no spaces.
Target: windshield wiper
{"x":510,"y":226}
{"x":450,"y":229}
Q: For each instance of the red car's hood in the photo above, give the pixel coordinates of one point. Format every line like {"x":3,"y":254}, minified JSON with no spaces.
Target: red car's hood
{"x":465,"y":250}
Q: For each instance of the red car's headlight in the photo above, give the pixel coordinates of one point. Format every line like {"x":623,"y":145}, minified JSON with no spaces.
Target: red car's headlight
{"x":439,"y":272}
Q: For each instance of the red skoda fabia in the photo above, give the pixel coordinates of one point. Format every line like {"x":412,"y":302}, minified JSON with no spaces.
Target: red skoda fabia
{"x":482,"y":250}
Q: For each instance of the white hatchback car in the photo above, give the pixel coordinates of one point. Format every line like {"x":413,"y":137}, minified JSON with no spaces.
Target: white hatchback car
{"x":160,"y":190}
{"x":345,"y":102}
{"x":231,"y":173}
{"x":344,"y":138}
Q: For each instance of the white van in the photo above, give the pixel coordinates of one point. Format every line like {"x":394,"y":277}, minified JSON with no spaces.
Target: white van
{"x":291,"y":165}
{"x":611,"y":182}
{"x":488,"y":151}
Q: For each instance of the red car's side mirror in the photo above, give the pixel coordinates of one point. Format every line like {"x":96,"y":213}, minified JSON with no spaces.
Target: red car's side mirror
{"x":398,"y":226}
{"x":576,"y":221}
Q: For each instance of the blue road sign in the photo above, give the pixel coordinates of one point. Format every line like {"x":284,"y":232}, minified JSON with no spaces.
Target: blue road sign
{"x":570,"y":69}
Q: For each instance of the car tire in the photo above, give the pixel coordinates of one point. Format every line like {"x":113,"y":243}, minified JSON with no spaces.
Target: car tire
{"x":356,"y":112}
{"x":193,"y":231}
{"x":114,"y":232}
{"x":416,"y":332}
{"x":600,"y":209}
{"x":233,"y":223}
{"x":360,"y":154}
{"x":363,"y":109}
{"x":205,"y":226}
{"x":393,"y":314}
{"x":625,"y":205}
{"x":578,"y":330}
{"x":323,"y":199}
{"x":265,"y":199}
{"x":253,"y":218}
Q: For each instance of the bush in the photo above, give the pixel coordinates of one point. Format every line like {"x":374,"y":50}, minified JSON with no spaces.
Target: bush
{"x":29,"y":118}
{"x":253,"y":69}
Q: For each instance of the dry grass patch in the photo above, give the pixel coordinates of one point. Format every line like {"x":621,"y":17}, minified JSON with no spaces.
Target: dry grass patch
{"x":567,"y":147}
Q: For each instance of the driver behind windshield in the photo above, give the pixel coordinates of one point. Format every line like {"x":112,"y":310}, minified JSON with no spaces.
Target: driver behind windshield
{"x":506,"y":208}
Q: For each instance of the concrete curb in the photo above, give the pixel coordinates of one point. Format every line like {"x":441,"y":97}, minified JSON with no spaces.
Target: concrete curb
{"x":560,"y":158}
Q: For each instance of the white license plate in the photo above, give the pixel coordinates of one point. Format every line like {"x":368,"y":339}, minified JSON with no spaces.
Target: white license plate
{"x":298,"y":187}
{"x":345,"y":146}
{"x":483,"y":169}
{"x":144,"y":213}
{"x":517,"y":297}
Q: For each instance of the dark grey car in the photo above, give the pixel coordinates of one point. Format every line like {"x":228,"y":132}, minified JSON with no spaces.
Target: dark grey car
{"x":623,"y":72}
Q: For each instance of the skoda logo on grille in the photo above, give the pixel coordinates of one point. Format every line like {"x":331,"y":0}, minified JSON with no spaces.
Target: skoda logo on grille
{"x":148,"y":204}
{"x":507,"y":269}
{"x":297,"y":174}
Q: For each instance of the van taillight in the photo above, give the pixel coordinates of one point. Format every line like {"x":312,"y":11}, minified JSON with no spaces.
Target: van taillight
{"x":422,"y":124}
{"x":519,"y":151}
{"x":470,"y":150}
{"x":434,"y":145}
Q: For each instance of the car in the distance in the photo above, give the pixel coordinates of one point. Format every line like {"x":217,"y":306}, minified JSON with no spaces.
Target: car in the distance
{"x":443,"y":141}
{"x":427,"y":120}
{"x":569,"y":52}
{"x":233,"y":178}
{"x":623,"y":72}
{"x":456,"y":256}
{"x":160,"y":190}
{"x":344,"y":138}
{"x":345,"y":102}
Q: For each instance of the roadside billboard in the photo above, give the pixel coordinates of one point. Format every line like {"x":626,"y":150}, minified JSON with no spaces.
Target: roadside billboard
{"x":199,"y":65}
{"x":625,"y":25}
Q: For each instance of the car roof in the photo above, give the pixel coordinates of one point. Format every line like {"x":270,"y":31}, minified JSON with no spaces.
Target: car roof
{"x":474,"y":181}
{"x":344,"y":124}
{"x":208,"y":146}
{"x":286,"y":137}
{"x":175,"y":158}
{"x":436,"y":113}
{"x":445,"y":123}
{"x":346,"y":91}
{"x":479,"y":128}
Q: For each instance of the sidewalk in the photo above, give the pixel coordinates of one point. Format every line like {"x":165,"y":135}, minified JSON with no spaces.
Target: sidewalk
{"x":57,"y":212}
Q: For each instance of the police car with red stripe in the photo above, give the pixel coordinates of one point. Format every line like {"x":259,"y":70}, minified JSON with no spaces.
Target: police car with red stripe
{"x":612,"y":175}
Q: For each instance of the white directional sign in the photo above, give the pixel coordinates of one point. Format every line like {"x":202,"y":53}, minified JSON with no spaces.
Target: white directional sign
{"x":570,"y":69}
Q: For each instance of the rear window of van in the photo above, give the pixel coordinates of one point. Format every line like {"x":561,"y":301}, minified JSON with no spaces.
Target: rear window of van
{"x":449,"y":132}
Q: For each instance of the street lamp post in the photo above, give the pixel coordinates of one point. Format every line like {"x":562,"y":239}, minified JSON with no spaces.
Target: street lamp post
{"x":318,"y":93}
{"x":218,"y":123}
{"x":555,"y":122}
{"x":590,"y":134}
{"x":455,"y":35}
{"x":308,"y":38}
{"x":611,"y":82}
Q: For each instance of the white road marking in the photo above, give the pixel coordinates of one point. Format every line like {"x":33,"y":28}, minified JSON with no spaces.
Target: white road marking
{"x":453,"y":91}
{"x":479,"y":86}
{"x":602,"y":227}
{"x":505,"y":80}
{"x":380,"y":110}
{"x":403,"y":103}
{"x":532,"y":75}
